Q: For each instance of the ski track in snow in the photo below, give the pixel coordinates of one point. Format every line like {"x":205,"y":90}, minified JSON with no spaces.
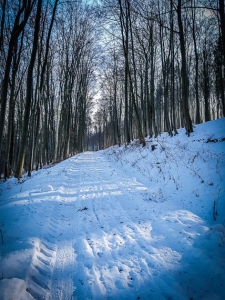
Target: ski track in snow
{"x":98,"y":235}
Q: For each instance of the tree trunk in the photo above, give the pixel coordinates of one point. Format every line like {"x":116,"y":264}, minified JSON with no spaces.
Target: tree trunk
{"x":2,"y":24}
{"x":125,"y":50}
{"x":17,"y":29}
{"x":184,"y":73}
{"x":24,"y":137}
{"x":222,"y":22}
{"x":197,"y":117}
{"x":206,"y":88}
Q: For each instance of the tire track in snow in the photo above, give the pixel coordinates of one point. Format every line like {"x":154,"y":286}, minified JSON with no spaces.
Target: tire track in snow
{"x":66,"y":257}
{"x":87,"y":278}
{"x":39,"y":278}
{"x":97,"y":247}
{"x":97,"y":254}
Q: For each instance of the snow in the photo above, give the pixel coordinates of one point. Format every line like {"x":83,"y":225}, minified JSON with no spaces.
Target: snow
{"x":122,"y":223}
{"x":14,"y":289}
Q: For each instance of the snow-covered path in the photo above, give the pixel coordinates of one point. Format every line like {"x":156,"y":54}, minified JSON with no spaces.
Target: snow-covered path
{"x":85,"y":229}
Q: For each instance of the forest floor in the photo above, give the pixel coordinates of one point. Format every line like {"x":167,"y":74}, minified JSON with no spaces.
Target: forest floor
{"x":122,"y":223}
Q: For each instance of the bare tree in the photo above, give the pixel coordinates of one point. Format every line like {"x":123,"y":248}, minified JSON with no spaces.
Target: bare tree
{"x":24,"y":13}
{"x":21,"y":156}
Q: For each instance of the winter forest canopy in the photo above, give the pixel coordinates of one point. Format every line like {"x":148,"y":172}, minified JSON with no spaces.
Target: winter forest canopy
{"x":78,"y":75}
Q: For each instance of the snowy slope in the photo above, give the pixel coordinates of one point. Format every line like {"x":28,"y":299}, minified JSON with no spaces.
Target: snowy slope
{"x":123,"y":223}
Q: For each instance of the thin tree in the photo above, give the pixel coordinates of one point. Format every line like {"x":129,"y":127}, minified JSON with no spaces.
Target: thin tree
{"x":125,"y":50}
{"x":29,"y":90}
{"x":18,"y":27}
{"x":184,"y":72}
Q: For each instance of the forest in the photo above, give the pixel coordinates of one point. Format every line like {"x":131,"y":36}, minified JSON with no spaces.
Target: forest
{"x":85,"y":75}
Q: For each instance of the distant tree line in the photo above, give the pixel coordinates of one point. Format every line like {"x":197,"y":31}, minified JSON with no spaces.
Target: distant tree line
{"x":163,"y":68}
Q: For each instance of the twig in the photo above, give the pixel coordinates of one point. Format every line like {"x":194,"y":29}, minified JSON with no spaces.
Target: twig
{"x":81,"y":209}
{"x":214,"y":211}
{"x":2,"y":237}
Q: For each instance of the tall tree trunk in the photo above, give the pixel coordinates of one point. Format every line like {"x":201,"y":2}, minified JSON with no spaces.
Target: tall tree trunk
{"x":16,"y":31}
{"x":2,"y":24}
{"x":184,"y":73}
{"x":172,"y":72}
{"x":206,"y":88}
{"x":222,"y":24}
{"x":197,"y":117}
{"x":125,"y":50}
{"x":10,"y":129}
{"x":24,"y":137}
{"x":152,"y":80}
{"x":124,"y":26}
{"x":165,"y":73}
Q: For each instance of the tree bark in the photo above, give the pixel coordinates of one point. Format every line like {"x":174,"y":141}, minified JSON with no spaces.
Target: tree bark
{"x":16,"y":31}
{"x":197,"y":115}
{"x":2,"y":24}
{"x":125,"y":50}
{"x":184,"y":73}
{"x":222,"y":21}
{"x":29,"y":91}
